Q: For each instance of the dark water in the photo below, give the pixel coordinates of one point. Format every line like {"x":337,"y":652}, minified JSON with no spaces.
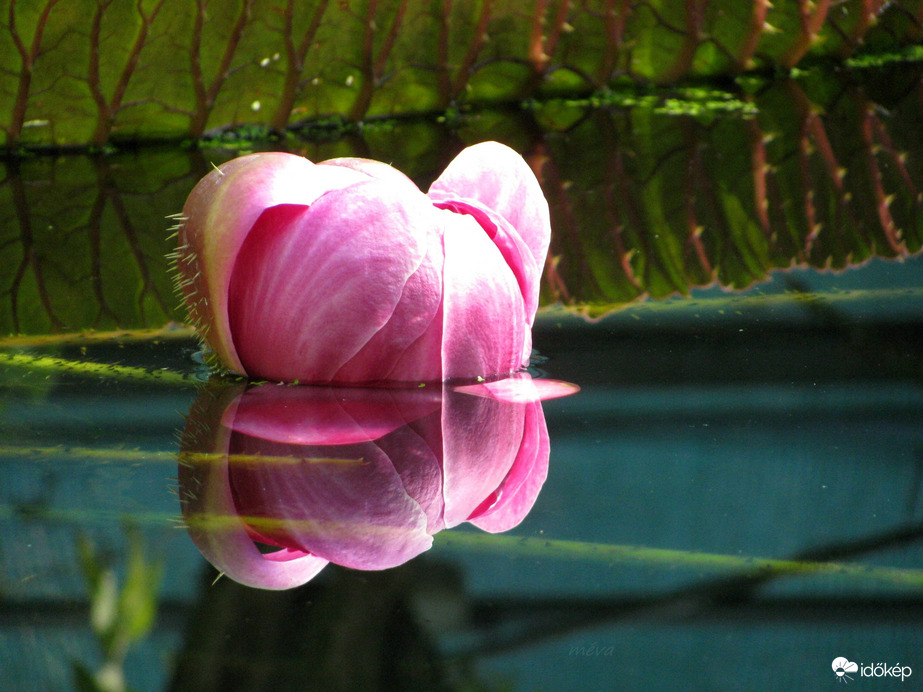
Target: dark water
{"x":733,"y":499}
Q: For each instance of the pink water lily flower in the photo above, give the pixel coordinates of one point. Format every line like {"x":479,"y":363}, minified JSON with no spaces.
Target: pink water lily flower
{"x":345,"y":272}
{"x":362,"y":477}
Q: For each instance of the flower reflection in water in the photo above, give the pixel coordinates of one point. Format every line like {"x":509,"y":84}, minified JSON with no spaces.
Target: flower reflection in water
{"x":278,"y":480}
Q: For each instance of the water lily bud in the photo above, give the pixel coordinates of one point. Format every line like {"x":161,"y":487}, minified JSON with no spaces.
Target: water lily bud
{"x":345,"y":272}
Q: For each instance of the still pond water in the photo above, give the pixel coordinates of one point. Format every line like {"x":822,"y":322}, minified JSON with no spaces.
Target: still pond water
{"x":733,"y":500}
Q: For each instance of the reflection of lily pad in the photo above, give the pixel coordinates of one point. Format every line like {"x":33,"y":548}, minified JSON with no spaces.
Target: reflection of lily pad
{"x":660,"y":204}
{"x":84,"y":241}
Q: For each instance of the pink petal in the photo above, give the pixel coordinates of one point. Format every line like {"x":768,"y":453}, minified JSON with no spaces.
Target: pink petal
{"x":328,"y":415}
{"x":408,"y":348}
{"x":516,"y":495}
{"x":374,"y":169}
{"x":481,"y":440}
{"x":485,"y":328}
{"x":211,"y":515}
{"x":517,"y":255}
{"x":230,"y":548}
{"x":520,"y":389}
{"x":218,"y":216}
{"x":343,"y":503}
{"x":416,"y":453}
{"x":313,"y":285}
{"x":498,"y":178}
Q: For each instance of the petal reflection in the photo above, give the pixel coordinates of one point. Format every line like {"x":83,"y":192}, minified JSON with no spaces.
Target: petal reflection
{"x":278,"y":480}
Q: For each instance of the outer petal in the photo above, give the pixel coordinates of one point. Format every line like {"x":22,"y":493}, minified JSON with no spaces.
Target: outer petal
{"x":313,"y":285}
{"x":208,"y":504}
{"x":329,"y":415}
{"x":343,"y":503}
{"x":374,"y":169}
{"x":408,"y":348}
{"x":485,"y":328}
{"x":481,"y":439}
{"x":225,"y":541}
{"x":340,"y":497}
{"x":515,"y":253}
{"x":514,"y":498}
{"x":416,"y":453}
{"x":498,"y":178}
{"x":218,"y":216}
{"x":520,"y":389}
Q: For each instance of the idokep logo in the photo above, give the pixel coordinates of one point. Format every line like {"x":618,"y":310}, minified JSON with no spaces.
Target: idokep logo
{"x":843,"y":666}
